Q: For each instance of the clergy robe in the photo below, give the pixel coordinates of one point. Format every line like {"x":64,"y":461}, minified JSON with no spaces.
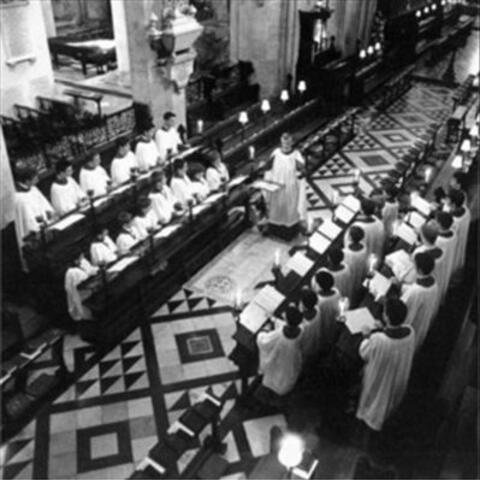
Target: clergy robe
{"x":29,"y":204}
{"x":389,"y":216}
{"x":183,"y":189}
{"x":320,"y":333}
{"x":142,"y":223}
{"x":342,"y":278}
{"x":447,"y":241}
{"x":200,"y":189}
{"x":461,"y":225}
{"x":287,"y":206}
{"x":420,"y":297}
{"x":167,"y":140}
{"x":388,"y":362}
{"x":74,"y":276}
{"x":374,"y":235}
{"x":120,"y":169}
{"x":147,"y":155}
{"x":94,"y":179}
{"x":163,"y":204}
{"x":126,"y":239}
{"x":280,"y":360}
{"x":66,"y":196}
{"x":216,"y":176}
{"x":357,"y":264}
{"x":103,"y":252}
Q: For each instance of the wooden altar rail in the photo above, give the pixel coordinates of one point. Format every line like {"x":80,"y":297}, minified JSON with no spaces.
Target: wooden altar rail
{"x":62,"y":110}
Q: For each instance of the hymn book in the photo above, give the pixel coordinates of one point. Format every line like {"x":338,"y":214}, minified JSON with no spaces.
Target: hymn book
{"x":421,"y":205}
{"x":352,"y":203}
{"x":379,"y":285}
{"x":147,"y":461}
{"x":268,"y":186}
{"x":330,"y":229}
{"x":416,"y":220}
{"x":299,"y":263}
{"x":319,"y":243}
{"x":167,"y":231}
{"x":122,"y":264}
{"x":237,"y":181}
{"x":401,"y":265}
{"x":343,"y":214}
{"x":253,"y":317}
{"x":406,"y":233}
{"x":307,"y":466}
{"x":359,"y":319}
{"x":269,"y":299}
{"x":67,"y":221}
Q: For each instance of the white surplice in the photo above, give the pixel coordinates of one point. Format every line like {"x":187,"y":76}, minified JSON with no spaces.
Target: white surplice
{"x":200,"y":189}
{"x":357,"y":263}
{"x":447,"y":242}
{"x":280,"y":360}
{"x":29,"y":205}
{"x":342,"y":279}
{"x":461,"y":225}
{"x":287,"y":206}
{"x":167,"y":140}
{"x":65,"y":197}
{"x":142,"y":223}
{"x":388,"y":363}
{"x":94,"y":179}
{"x":183,"y":189}
{"x":389,"y":216}
{"x":74,"y":276}
{"x":420,"y":301}
{"x":216,"y":176}
{"x":147,"y":155}
{"x":127,"y":239}
{"x":103,"y":252}
{"x":121,"y":168}
{"x":163,"y":204}
{"x":374,"y":235}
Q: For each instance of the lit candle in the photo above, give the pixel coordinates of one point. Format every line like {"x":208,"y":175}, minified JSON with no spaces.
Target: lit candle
{"x":370,"y":50}
{"x":238,"y":299}
{"x":418,"y":14}
{"x":413,"y":196}
{"x":243,"y":118}
{"x":302,"y":86}
{"x":474,"y":131}
{"x":356,"y":175}
{"x":334,"y":197}
{"x":378,"y":46}
{"x":343,"y":305}
{"x":362,"y":54}
{"x":265,"y":106}
{"x":457,"y":162}
{"x":396,"y":227}
{"x":251,"y":152}
{"x":428,"y":174}
{"x":309,"y":224}
{"x":372,"y":262}
{"x":475,"y":84}
{"x":466,"y":146}
{"x":200,"y":126}
{"x":276,"y":261}
{"x":434,"y":7}
{"x":284,"y":96}
{"x":426,"y":10}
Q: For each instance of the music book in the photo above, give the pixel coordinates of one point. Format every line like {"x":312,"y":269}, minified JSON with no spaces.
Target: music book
{"x":299,"y":263}
{"x":352,"y":203}
{"x":122,"y":264}
{"x":415,"y":219}
{"x":421,"y":205}
{"x":329,"y":229}
{"x":379,"y":285}
{"x":270,"y":187}
{"x":237,"y":181}
{"x":269,"y":299}
{"x":307,"y":466}
{"x":213,"y":198}
{"x":406,"y":233}
{"x":67,"y":221}
{"x":343,"y":214}
{"x":253,"y":317}
{"x":401,"y":265}
{"x":147,"y":461}
{"x":357,"y":320}
{"x":319,"y":243}
{"x":167,"y":231}
{"x":200,"y":208}
{"x":100,"y":201}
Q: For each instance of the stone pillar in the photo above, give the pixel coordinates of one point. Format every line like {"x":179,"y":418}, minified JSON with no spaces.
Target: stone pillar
{"x":120,"y":34}
{"x":160,"y":87}
{"x":357,"y":24}
{"x":48,"y":18}
{"x":7,"y":189}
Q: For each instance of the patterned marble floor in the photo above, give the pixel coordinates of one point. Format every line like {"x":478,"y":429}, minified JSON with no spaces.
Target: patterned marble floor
{"x":106,"y":422}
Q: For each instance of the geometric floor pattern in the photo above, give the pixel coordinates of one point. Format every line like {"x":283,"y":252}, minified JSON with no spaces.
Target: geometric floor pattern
{"x":106,"y":422}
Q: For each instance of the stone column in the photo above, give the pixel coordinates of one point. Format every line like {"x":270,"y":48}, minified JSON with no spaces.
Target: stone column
{"x":160,"y":87}
{"x":120,"y":34}
{"x":358,"y":21}
{"x":7,"y":189}
{"x":48,"y":18}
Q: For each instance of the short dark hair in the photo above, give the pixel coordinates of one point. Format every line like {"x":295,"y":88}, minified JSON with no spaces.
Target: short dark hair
{"x":147,"y":126}
{"x":462,"y":179}
{"x":178,"y":164}
{"x":368,"y":206}
{"x":143,"y":202}
{"x":457,"y":197}
{"x":121,"y":142}
{"x":124,"y":217}
{"x":396,"y":311}
{"x":429,"y":232}
{"x":293,"y":316}
{"x":62,"y":165}
{"x":25,"y":174}
{"x":391,"y":191}
{"x":324,"y":280}
{"x":168,"y":115}
{"x":157,"y":176}
{"x":195,"y":168}
{"x":335,"y":255}
{"x":424,"y":263}
{"x":357,"y":234}
{"x":444,"y":219}
{"x":308,"y":298}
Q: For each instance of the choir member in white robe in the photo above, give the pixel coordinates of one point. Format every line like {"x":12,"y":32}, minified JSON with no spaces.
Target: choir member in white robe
{"x":320,"y":334}
{"x":65,"y":193}
{"x":74,"y":276}
{"x":124,"y":163}
{"x":217,"y":173}
{"x":145,"y":221}
{"x":420,"y":297}
{"x":459,"y":181}
{"x":164,"y":203}
{"x":356,"y":257}
{"x":280,"y":356}
{"x":31,"y":207}
{"x":372,"y":227}
{"x":146,"y":150}
{"x":308,"y":306}
{"x":447,"y":241}
{"x":388,"y":357}
{"x":461,"y":224}
{"x":200,"y":186}
{"x":93,"y":177}
{"x":167,"y":138}
{"x":340,"y":272}
{"x":287,"y":206}
{"x":181,"y":184}
{"x":128,"y":235}
{"x":103,"y":250}
{"x":390,"y":210}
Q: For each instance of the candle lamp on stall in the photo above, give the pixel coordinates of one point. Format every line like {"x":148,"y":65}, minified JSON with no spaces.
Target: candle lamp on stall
{"x":290,"y":453}
{"x":200,"y":126}
{"x":284,"y":98}
{"x":372,"y":264}
{"x":302,"y":88}
{"x":42,"y":222}
{"x":238,"y":304}
{"x":465,"y":148}
{"x":265,"y":108}
{"x":243,"y":120}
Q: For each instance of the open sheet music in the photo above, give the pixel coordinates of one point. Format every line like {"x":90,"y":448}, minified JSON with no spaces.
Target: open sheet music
{"x":357,"y":320}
